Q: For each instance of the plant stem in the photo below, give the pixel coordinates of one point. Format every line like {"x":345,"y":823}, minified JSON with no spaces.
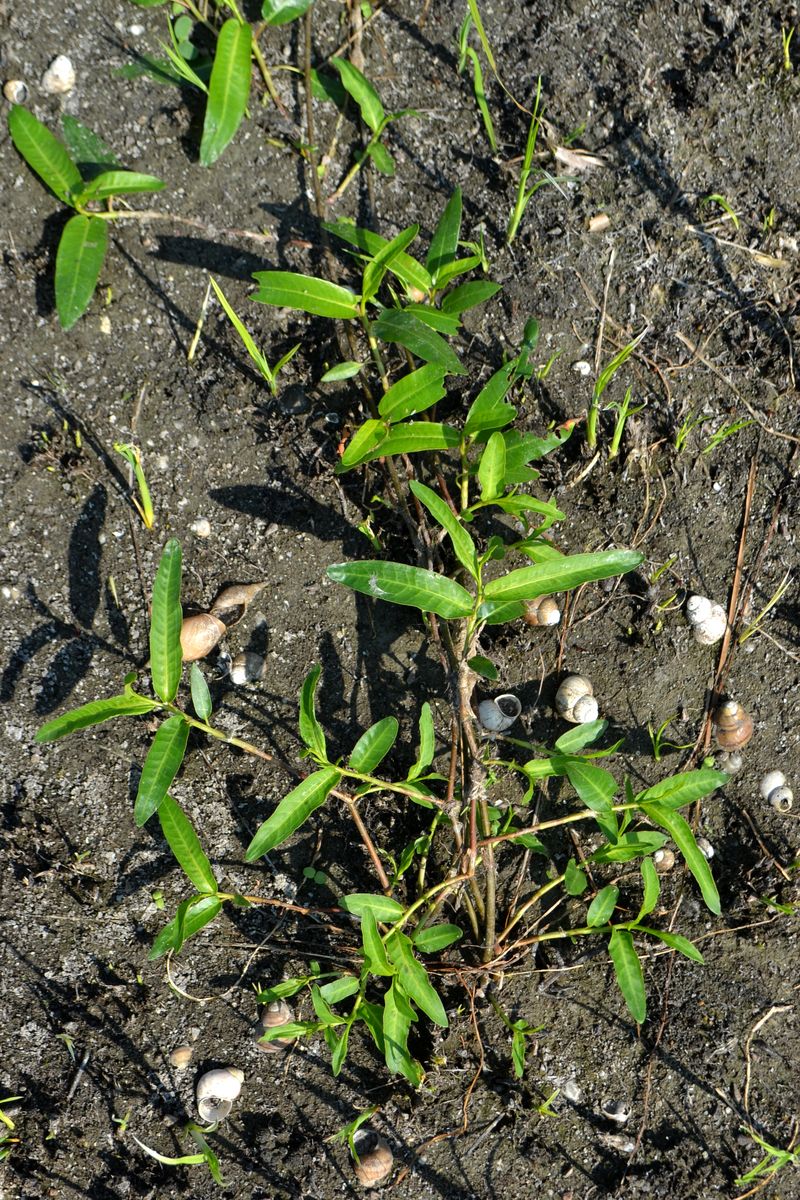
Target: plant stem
{"x":151,"y":214}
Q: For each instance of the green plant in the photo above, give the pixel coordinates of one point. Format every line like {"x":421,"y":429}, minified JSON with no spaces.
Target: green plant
{"x":7,"y":1142}
{"x":726,"y":207}
{"x":603,"y":380}
{"x":524,"y":193}
{"x":461,"y":476}
{"x":204,"y":1154}
{"x":83,"y":177}
{"x":268,"y":373}
{"x":659,"y":742}
{"x":786,"y":47}
{"x":520,"y":1032}
{"x":689,"y":423}
{"x":726,"y":430}
{"x":623,"y":411}
{"x":775,"y":1159}
{"x":143,"y":504}
{"x":465,"y":51}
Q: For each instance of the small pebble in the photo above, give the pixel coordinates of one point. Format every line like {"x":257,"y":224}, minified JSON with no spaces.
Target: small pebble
{"x":15,"y":91}
{"x":136,"y":30}
{"x":180,"y":1057}
{"x":201,"y":527}
{"x":59,"y":78}
{"x":105,"y":325}
{"x":599,"y":223}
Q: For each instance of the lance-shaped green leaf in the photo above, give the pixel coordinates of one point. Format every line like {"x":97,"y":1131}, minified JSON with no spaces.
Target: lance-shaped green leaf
{"x":469,"y":295}
{"x":373,"y":746}
{"x":399,"y":583}
{"x":44,"y":153}
{"x":414,"y":393}
{"x":410,"y":437}
{"x":500,"y":612}
{"x":310,"y":729}
{"x":79,"y":261}
{"x":362,"y":91}
{"x":522,"y":448}
{"x":628,"y":971}
{"x":680,"y":832}
{"x":339,"y":989}
{"x":675,"y":942}
{"x":602,"y":907}
{"x":363,"y":445}
{"x":652,"y":887}
{"x":560,"y":575}
{"x":580,"y":736}
{"x":441,"y":512}
{"x":162,"y":764}
{"x":436,"y":937}
{"x":281,"y":12}
{"x":595,"y":786}
{"x":684,"y":789}
{"x":427,"y":742}
{"x":397,"y":1017}
{"x":442,"y":322}
{"x":119,"y":183}
{"x":201,"y":697}
{"x":394,"y":325}
{"x":521,"y":505}
{"x":414,"y":978}
{"x":192,"y":916}
{"x":293,"y":811}
{"x":492,"y":467}
{"x":374,"y":949}
{"x":575,"y":881}
{"x":629,"y":846}
{"x":489,"y":409}
{"x":287,"y":289}
{"x":380,"y":155}
{"x":165,"y":624}
{"x":403,"y":266}
{"x":228,"y":89}
{"x":185,"y":845}
{"x":86,"y":148}
{"x":444,"y":243}
{"x":94,"y":713}
{"x":377,"y":267}
{"x":383,"y":908}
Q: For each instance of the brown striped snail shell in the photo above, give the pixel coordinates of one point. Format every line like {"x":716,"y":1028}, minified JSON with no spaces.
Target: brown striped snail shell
{"x":276,"y":1013}
{"x":543,"y":610}
{"x":375,"y":1158}
{"x":664,"y":859}
{"x":199,"y":635}
{"x":733,"y":727}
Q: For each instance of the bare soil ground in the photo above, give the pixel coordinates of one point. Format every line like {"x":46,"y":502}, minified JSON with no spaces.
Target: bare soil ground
{"x":681,"y":101}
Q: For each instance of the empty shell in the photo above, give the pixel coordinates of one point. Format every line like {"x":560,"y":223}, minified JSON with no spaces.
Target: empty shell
{"x":216,"y":1092}
{"x":199,"y":635}
{"x":247,"y":667}
{"x":275,"y":1014}
{"x":499,"y":714}
{"x":232,"y":602}
{"x":15,"y":91}
{"x":375,"y":1158}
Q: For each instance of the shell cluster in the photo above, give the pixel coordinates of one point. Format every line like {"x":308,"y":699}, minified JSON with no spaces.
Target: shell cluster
{"x":575,"y":700}
{"x":707,"y":619}
{"x":201,"y":633}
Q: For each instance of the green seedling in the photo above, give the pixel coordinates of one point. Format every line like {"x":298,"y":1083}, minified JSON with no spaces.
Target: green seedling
{"x":346,"y":1135}
{"x":623,"y":411}
{"x":520,"y":1032}
{"x":727,"y":430}
{"x":205,"y":1155}
{"x":268,"y":373}
{"x":689,"y":423}
{"x":465,"y":51}
{"x":602,"y":382}
{"x":545,"y":1109}
{"x":727,"y":208}
{"x":143,"y":503}
{"x":775,"y":1159}
{"x":7,"y":1142}
{"x":659,"y":742}
{"x":84,"y":240}
{"x":786,"y":47}
{"x":775,"y":598}
{"x":525,"y":193}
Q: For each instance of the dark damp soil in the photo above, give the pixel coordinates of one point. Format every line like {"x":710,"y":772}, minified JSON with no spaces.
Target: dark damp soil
{"x":679,"y":101}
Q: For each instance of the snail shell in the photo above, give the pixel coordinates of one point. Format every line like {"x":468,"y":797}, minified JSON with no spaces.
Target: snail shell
{"x":731,"y":762}
{"x":59,"y":78}
{"x":180,"y":1057}
{"x":707,"y":619}
{"x":774,"y":789}
{"x":199,"y":635}
{"x":732,"y":725}
{"x":543,"y":610}
{"x":216,"y":1092}
{"x":705,"y":848}
{"x":499,"y":714}
{"x":232,"y":602}
{"x":664,"y":859}
{"x":276,"y":1013}
{"x":15,"y":91}
{"x":616,"y":1110}
{"x":575,"y":700}
{"x":247,"y":667}
{"x":375,"y":1158}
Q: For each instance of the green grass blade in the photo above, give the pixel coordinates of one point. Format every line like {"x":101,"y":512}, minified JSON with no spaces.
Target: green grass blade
{"x":476,"y":18}
{"x":398,"y":583}
{"x":243,"y":332}
{"x":373,"y":746}
{"x":94,"y":713}
{"x":480,"y":99}
{"x":287,"y":289}
{"x":79,"y":260}
{"x":628,"y":971}
{"x":165,"y":624}
{"x":444,"y":243}
{"x":162,"y":764}
{"x":185,"y":845}
{"x":362,"y":91}
{"x":414,"y":393}
{"x":680,"y":832}
{"x":228,"y":89}
{"x":44,"y":153}
{"x":558,"y":576}
{"x":310,"y":729}
{"x":120,"y":183}
{"x":394,"y":325}
{"x":463,"y":544}
{"x":292,"y":812}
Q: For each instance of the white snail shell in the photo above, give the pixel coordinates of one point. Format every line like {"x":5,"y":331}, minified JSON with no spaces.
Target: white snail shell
{"x":707,"y":619}
{"x":216,"y":1092}
{"x":276,"y":1013}
{"x":232,"y":602}
{"x":247,"y":667}
{"x":59,"y":78}
{"x":575,"y":700}
{"x":499,"y":714}
{"x":199,"y":635}
{"x":731,"y":762}
{"x":774,"y":789}
{"x":543,"y":610}
{"x":705,"y":848}
{"x":616,"y":1111}
{"x":15,"y":91}
{"x":375,"y":1158}
{"x":664,"y":859}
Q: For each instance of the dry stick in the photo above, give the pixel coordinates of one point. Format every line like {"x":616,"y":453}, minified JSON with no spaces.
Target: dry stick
{"x":772,"y":1012}
{"x":150,"y":214}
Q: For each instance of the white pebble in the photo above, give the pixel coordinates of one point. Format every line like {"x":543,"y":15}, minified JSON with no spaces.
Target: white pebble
{"x":59,"y":78}
{"x":201,"y":527}
{"x":582,"y":367}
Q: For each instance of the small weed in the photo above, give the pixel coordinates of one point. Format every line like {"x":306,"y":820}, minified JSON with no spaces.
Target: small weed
{"x":465,"y":51}
{"x":268,"y":373}
{"x":623,"y":411}
{"x":602,"y":382}
{"x":658,"y":741}
{"x":777,"y":595}
{"x":786,"y":47}
{"x":689,"y":423}
{"x":715,"y":198}
{"x":774,"y":1160}
{"x":727,"y":430}
{"x":143,"y":503}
